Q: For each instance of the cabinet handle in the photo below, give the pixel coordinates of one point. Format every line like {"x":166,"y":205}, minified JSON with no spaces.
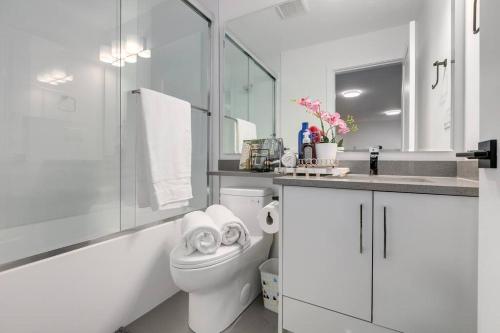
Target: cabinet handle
{"x":385,"y":232}
{"x":361,"y":228}
{"x":475,"y":28}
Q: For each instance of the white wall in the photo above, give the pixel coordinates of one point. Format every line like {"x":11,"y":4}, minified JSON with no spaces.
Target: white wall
{"x":304,"y":71}
{"x":95,"y":289}
{"x":489,"y":186}
{"x":433,"y":107}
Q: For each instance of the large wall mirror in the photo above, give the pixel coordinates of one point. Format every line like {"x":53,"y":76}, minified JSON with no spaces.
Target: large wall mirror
{"x":390,"y":65}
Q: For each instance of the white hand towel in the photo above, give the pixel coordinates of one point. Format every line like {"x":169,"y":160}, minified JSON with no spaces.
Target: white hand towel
{"x":164,"y":151}
{"x":232,"y":229}
{"x":245,"y":130}
{"x":200,"y":233}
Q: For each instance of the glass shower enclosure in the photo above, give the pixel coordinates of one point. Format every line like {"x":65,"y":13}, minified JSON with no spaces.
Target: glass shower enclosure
{"x":68,"y":128}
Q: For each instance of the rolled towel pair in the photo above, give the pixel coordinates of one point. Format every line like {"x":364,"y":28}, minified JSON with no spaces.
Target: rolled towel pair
{"x":200,"y":233}
{"x":206,"y":231}
{"x":232,"y":229}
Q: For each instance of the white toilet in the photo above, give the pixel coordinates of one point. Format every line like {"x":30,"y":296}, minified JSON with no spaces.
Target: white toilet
{"x":223,"y":284}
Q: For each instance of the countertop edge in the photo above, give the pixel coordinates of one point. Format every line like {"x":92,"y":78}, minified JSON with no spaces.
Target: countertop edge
{"x":383,"y":187}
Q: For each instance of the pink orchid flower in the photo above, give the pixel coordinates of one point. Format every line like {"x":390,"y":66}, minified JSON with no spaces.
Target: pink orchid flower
{"x":333,"y":119}
{"x":304,"y":101}
{"x":316,"y":107}
{"x":342,"y":127}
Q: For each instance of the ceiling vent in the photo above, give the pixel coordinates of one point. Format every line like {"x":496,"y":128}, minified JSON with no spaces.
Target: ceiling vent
{"x":292,"y":8}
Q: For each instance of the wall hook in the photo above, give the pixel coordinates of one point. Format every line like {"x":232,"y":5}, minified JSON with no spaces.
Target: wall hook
{"x":437,"y":64}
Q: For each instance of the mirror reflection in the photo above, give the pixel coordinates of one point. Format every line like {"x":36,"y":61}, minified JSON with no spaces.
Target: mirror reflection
{"x":387,"y":66}
{"x":249,"y":98}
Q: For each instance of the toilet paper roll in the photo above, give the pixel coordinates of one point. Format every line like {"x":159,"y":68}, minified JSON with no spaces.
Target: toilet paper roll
{"x":269,"y":218}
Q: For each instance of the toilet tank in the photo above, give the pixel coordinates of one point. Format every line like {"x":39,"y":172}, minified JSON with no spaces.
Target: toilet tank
{"x":245,"y":203}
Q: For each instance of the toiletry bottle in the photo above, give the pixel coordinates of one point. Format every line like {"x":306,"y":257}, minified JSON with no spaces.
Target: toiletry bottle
{"x":307,"y":148}
{"x":305,"y":127}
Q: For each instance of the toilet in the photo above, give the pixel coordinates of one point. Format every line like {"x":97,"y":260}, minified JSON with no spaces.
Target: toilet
{"x":223,"y":284}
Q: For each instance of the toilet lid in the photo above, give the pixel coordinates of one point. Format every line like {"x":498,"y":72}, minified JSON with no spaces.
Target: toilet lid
{"x":199,"y":260}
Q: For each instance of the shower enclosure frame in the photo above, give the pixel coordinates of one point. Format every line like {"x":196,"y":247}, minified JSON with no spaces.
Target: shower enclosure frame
{"x":209,"y":17}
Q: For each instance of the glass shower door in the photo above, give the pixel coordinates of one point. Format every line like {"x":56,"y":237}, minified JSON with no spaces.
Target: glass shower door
{"x":249,"y":94}
{"x":178,"y":38}
{"x":60,"y":125}
{"x":261,"y":100}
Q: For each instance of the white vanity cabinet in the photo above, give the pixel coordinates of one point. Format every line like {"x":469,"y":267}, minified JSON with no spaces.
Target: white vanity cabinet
{"x":415,"y":271}
{"x":323,"y":262}
{"x":426,"y":282}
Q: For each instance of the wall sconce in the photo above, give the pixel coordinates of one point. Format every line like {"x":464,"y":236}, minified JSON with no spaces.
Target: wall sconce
{"x":120,"y":53}
{"x":54,"y":77}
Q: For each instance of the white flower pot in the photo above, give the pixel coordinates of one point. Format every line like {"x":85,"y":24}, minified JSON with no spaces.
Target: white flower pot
{"x":326,"y":151}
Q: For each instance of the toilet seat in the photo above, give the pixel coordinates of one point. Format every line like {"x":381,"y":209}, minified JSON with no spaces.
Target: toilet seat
{"x":179,"y":259}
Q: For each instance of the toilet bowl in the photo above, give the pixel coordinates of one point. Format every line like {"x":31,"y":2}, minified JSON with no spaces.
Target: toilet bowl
{"x":223,"y":284}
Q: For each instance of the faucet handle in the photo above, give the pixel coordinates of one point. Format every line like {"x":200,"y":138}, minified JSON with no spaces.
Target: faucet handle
{"x":374,"y":149}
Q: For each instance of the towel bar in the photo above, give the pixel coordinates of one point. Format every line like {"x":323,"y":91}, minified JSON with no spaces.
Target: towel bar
{"x":137,"y":91}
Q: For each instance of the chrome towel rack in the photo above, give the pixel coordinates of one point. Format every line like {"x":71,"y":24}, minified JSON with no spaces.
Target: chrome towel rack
{"x":197,"y":108}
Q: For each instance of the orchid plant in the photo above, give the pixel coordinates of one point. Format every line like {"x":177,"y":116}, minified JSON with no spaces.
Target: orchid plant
{"x":331,"y":123}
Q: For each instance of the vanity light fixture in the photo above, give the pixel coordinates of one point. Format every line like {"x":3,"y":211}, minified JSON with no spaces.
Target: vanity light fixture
{"x":351,"y":93}
{"x":125,"y":52}
{"x":392,"y":112}
{"x":54,"y":77}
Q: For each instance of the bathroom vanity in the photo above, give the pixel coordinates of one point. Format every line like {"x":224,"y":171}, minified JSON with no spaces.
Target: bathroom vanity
{"x":377,"y":254}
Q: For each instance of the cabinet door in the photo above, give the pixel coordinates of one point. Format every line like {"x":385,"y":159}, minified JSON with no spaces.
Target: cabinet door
{"x":427,"y":281}
{"x":327,"y":248}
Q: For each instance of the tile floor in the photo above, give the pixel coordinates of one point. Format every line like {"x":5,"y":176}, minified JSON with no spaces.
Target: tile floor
{"x":172,"y":316}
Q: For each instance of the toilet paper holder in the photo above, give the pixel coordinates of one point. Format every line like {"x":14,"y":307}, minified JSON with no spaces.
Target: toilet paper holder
{"x":269,"y":219}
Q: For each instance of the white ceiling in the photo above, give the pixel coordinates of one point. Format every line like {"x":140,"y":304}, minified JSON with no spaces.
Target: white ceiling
{"x":266,"y":34}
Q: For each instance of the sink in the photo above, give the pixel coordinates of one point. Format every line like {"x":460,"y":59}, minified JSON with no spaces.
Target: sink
{"x":387,"y":178}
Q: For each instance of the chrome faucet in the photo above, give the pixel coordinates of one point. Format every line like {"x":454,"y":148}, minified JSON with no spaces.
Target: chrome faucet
{"x":374,"y":152}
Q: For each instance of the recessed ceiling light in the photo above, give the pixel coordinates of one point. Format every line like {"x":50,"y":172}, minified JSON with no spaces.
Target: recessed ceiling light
{"x":392,"y":112}
{"x":351,"y":93}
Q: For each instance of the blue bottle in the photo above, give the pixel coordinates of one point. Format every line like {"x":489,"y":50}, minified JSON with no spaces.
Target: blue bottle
{"x":305,"y":127}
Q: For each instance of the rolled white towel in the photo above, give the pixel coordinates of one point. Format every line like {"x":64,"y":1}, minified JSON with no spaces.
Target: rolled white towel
{"x":199,"y":232}
{"x":232,"y":228}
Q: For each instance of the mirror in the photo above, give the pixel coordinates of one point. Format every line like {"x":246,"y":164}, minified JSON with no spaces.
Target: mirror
{"x":387,"y":64}
{"x":249,"y":98}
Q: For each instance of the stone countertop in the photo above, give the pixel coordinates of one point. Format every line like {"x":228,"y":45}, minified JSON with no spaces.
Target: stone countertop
{"x":404,"y":184}
{"x":237,"y":173}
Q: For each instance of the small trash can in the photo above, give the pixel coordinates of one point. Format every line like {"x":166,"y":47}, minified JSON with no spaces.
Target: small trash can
{"x":270,"y":283}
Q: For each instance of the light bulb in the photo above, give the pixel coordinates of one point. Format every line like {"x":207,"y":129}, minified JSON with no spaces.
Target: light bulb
{"x":115,"y":49}
{"x":45,"y":78}
{"x":351,"y":93}
{"x":145,"y":54}
{"x":105,"y":54}
{"x":133,"y":46}
{"x":69,"y":78}
{"x":392,"y":112}
{"x":118,"y":63}
{"x":58,"y":74}
{"x":132,"y":59}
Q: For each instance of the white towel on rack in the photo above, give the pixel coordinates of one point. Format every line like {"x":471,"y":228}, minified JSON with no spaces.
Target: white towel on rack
{"x":164,"y":151}
{"x":245,"y":130}
{"x":199,"y":233}
{"x":232,"y":228}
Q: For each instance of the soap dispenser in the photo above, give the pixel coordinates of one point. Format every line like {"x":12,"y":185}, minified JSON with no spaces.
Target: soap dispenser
{"x":305,"y":127}
{"x":307,"y":147}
